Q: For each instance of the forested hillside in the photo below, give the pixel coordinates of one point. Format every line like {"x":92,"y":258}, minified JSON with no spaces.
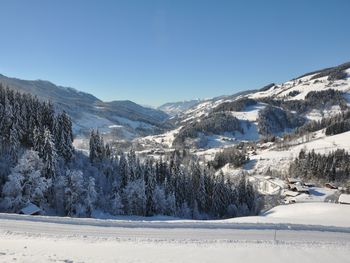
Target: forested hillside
{"x":40,"y":166}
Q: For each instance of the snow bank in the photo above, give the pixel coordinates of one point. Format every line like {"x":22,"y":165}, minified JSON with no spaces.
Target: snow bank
{"x":325,"y":214}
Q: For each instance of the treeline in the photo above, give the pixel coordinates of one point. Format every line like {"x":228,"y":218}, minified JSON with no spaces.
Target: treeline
{"x":313,"y":100}
{"x":327,"y":71}
{"x":171,"y":186}
{"x":333,"y":125}
{"x":338,"y":127}
{"x":237,"y":105}
{"x":273,"y":120}
{"x":214,"y":123}
{"x":25,"y":122}
{"x":334,"y":73}
{"x":235,"y":155}
{"x":35,"y":148}
{"x":332,"y":167}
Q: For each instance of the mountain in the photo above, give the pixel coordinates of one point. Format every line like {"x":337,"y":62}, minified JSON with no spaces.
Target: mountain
{"x":88,"y":112}
{"x":274,"y":110}
{"x":175,"y":108}
{"x":296,"y":129}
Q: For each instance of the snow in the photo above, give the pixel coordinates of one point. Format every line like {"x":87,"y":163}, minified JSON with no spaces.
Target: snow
{"x":309,"y":232}
{"x":83,"y":249}
{"x":277,"y":158}
{"x":344,"y":199}
{"x":313,"y":213}
{"x":250,"y":113}
{"x":176,"y":108}
{"x":90,"y":121}
{"x":316,"y":194}
{"x":132,"y":123}
{"x":114,"y":126}
{"x":81,"y":143}
{"x":317,"y":115}
{"x":164,"y":140}
{"x":303,"y":86}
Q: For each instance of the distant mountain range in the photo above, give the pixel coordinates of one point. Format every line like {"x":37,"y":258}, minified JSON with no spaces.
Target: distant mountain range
{"x":273,"y":110}
{"x":89,"y":112}
{"x":175,"y":108}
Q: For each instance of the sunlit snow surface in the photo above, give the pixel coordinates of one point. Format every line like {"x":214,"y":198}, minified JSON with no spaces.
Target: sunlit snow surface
{"x":313,"y":232}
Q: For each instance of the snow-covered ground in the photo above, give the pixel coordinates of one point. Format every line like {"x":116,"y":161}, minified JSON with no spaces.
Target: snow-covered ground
{"x":280,"y":158}
{"x":304,"y":85}
{"x":316,"y":233}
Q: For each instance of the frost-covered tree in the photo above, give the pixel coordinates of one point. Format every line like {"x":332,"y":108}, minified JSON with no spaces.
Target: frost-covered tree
{"x":220,"y":198}
{"x":64,"y":136}
{"x":116,"y":202}
{"x":74,"y":193}
{"x":91,"y":196}
{"x":150,"y":181}
{"x":123,"y":171}
{"x":159,"y":200}
{"x":26,"y":184}
{"x":170,"y":207}
{"x":97,"y":147}
{"x":49,"y":155}
{"x":135,"y":197}
{"x":184,"y":211}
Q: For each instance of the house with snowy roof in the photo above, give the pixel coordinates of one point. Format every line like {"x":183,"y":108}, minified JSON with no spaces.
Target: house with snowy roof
{"x":30,"y":209}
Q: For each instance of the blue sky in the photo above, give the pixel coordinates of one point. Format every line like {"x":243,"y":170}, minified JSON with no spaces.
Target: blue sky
{"x":154,"y":52}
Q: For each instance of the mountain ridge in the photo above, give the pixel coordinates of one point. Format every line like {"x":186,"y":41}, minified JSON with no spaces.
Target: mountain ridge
{"x":87,"y":111}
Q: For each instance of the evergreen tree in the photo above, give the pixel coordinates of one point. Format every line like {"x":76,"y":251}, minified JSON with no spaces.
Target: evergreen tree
{"x":91,"y":196}
{"x":135,"y":197}
{"x":25,"y":183}
{"x":49,"y":155}
{"x":74,"y":194}
{"x":64,"y":136}
{"x":220,"y":198}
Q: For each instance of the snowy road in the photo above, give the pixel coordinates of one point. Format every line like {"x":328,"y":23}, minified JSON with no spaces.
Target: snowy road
{"x":173,"y":232}
{"x":44,"y":239}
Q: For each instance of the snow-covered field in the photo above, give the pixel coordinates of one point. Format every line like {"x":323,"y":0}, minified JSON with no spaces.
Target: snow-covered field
{"x":303,"y":232}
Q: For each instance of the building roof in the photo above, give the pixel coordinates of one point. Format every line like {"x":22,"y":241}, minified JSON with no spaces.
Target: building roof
{"x":30,"y":209}
{"x":301,"y":188}
{"x":344,"y":199}
{"x":331,"y":185}
{"x":293,"y":180}
{"x":291,"y":193}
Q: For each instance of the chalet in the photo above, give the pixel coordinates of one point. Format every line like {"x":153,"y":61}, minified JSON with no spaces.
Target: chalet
{"x":301,"y":189}
{"x":292,"y":187}
{"x":298,"y":188}
{"x":293,"y":180}
{"x":291,"y":193}
{"x":309,"y":184}
{"x":344,"y":199}
{"x":30,"y":209}
{"x":331,"y":186}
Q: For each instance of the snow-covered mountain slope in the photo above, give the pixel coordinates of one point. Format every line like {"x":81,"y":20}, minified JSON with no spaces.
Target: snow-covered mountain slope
{"x":297,"y":89}
{"x":309,"y":232}
{"x":89,"y":112}
{"x":176,"y":108}
{"x":273,"y":110}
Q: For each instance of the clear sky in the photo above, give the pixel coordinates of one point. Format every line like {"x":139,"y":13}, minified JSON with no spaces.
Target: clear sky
{"x":154,"y":52}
